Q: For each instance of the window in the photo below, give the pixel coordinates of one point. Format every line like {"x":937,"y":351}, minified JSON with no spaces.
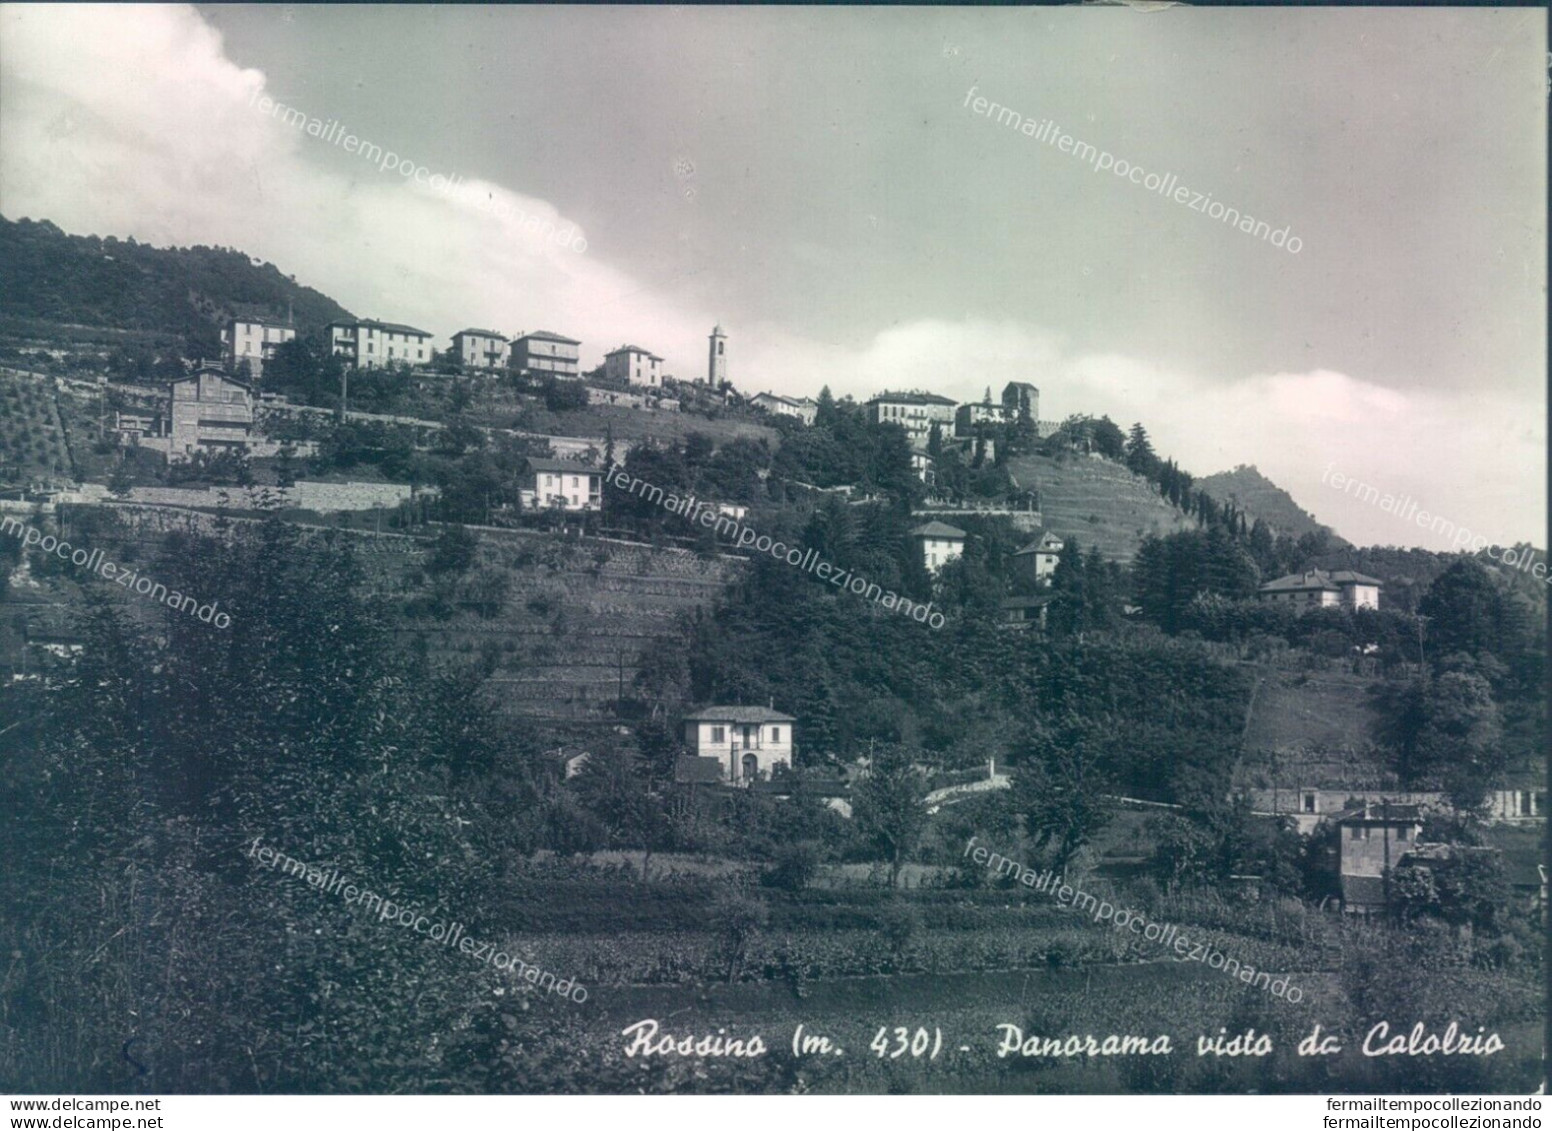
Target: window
{"x":1357,"y":832}
{"x":775,"y":734}
{"x":1309,"y":802}
{"x":718,"y":735}
{"x":719,"y":348}
{"x":1403,"y":833}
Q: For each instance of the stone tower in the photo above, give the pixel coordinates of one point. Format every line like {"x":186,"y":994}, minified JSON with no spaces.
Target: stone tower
{"x":716,"y":358}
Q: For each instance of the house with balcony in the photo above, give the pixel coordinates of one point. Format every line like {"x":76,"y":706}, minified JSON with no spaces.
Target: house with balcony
{"x":748,"y":743}
{"x":369,"y":344}
{"x":254,"y":340}
{"x":208,"y":411}
{"x":562,"y":485}
{"x":915,"y":412}
{"x":543,"y":354}
{"x":481,"y":349}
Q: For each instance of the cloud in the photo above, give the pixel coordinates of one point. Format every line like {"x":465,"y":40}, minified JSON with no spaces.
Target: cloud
{"x":132,"y":121}
{"x":1478,"y":458}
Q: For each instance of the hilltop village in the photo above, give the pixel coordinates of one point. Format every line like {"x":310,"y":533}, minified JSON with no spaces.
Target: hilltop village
{"x":623,"y":627}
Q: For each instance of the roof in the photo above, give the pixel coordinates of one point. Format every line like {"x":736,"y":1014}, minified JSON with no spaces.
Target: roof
{"x":548,"y":337}
{"x":1318,"y":579}
{"x":738,"y":715}
{"x":564,"y":466}
{"x":390,"y":327}
{"x":1348,"y":577}
{"x":479,"y":334}
{"x":1367,"y":811}
{"x":212,"y":371}
{"x":1047,"y":543}
{"x":632,"y":349}
{"x":688,"y":768}
{"x":911,"y":398}
{"x":260,"y":320}
{"x":1025,"y":602}
{"x":938,"y":530}
{"x":1020,"y":385}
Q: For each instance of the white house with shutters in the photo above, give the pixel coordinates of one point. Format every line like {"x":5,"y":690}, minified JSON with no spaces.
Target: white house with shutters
{"x":939,"y":543}
{"x":747,"y":742}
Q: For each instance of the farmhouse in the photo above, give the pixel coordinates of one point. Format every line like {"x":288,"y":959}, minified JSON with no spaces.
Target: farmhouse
{"x":748,"y":743}
{"x":563,"y":485}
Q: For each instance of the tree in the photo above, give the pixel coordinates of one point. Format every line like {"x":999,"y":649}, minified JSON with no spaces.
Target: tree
{"x":1465,"y":611}
{"x":1109,"y":440}
{"x":1140,"y":456}
{"x":455,"y":550}
{"x":824,"y":414}
{"x":1057,"y":787}
{"x":888,"y":805}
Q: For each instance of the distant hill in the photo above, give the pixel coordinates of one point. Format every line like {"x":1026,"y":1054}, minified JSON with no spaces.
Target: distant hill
{"x":1098,"y":502}
{"x":1254,"y":493}
{"x":49,"y":277}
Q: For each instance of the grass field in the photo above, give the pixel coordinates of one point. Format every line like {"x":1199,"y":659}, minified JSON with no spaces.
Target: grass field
{"x":1311,"y":728}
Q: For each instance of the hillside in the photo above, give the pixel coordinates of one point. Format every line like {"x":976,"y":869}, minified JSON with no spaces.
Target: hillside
{"x":49,"y":277}
{"x":1251,"y":491}
{"x":1099,"y":502}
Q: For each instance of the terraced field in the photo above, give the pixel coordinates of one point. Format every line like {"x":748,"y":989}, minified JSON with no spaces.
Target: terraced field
{"x":32,"y":438}
{"x":1098,"y":502}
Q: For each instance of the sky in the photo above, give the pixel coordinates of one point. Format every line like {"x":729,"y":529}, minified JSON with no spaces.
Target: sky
{"x":821,"y":183}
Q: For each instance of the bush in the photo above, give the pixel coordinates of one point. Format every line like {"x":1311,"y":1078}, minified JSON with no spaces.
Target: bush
{"x":793,"y":867}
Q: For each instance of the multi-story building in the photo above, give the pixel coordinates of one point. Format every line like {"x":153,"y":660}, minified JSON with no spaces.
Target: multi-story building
{"x":1316,"y":588}
{"x":563,"y":485}
{"x":940,"y":544}
{"x":803,"y":408}
{"x":635,"y":366}
{"x":481,"y":349}
{"x":749,"y":743}
{"x":208,"y":411}
{"x":542,"y":353}
{"x":254,"y":340}
{"x":369,"y":344}
{"x":1374,"y":837}
{"x":969,"y":415}
{"x":915,"y":412}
